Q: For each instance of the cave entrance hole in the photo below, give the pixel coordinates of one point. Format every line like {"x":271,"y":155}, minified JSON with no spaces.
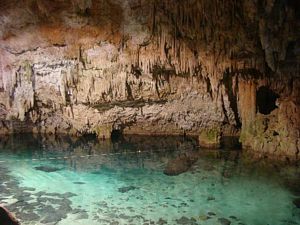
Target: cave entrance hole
{"x":266,"y":100}
{"x":116,"y":135}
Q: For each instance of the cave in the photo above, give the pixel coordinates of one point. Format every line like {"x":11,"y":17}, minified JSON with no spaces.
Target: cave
{"x":266,"y":100}
{"x":101,"y":101}
{"x":116,"y":135}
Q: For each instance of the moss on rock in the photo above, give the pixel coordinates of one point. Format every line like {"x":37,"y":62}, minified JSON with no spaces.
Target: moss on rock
{"x":210,"y":138}
{"x":103,"y":131}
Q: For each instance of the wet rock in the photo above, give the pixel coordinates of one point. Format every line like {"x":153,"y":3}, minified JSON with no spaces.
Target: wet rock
{"x":126,"y":189}
{"x":224,"y":221}
{"x":47,"y":169}
{"x":7,"y":218}
{"x":180,"y":164}
{"x":210,"y":138}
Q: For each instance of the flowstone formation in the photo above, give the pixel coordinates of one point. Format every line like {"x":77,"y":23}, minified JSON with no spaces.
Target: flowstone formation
{"x":153,"y":67}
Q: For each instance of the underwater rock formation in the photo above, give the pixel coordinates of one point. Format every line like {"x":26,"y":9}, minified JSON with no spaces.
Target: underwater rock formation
{"x":180,"y":164}
{"x":153,"y":67}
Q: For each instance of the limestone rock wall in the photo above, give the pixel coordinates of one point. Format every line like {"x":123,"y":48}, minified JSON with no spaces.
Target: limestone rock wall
{"x":151,"y":67}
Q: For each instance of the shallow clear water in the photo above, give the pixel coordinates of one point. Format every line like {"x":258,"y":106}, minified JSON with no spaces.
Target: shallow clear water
{"x":82,"y":181}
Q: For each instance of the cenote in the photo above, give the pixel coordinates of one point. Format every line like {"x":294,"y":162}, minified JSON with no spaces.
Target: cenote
{"x":51,"y":180}
{"x":149,"y":112}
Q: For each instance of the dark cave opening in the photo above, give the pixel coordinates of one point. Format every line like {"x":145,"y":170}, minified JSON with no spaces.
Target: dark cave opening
{"x":266,"y":100}
{"x":116,"y":135}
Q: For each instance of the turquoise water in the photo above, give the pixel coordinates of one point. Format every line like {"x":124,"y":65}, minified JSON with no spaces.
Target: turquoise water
{"x":69,"y":181}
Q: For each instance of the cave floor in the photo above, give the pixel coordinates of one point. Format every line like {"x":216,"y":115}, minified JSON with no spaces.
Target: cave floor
{"x":65,"y":181}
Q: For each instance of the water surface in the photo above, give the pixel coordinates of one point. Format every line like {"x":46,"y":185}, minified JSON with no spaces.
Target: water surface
{"x":47,"y":180}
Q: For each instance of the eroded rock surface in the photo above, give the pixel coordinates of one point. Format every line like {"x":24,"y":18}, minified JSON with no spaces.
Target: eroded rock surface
{"x":152,"y":67}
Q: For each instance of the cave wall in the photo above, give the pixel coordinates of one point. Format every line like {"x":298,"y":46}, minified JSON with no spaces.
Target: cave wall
{"x":151,"y":67}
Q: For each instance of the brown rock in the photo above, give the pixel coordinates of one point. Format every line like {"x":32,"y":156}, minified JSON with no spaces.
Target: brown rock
{"x":210,"y":138}
{"x":6,"y":218}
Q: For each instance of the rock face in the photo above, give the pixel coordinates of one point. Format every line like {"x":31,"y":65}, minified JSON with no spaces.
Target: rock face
{"x":153,"y":67}
{"x":7,"y":218}
{"x":210,"y":138}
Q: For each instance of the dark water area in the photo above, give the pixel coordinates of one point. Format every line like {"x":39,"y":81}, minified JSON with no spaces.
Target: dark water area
{"x":66,"y":180}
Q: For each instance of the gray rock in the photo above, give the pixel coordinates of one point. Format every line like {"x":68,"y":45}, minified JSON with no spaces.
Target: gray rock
{"x":186,"y":221}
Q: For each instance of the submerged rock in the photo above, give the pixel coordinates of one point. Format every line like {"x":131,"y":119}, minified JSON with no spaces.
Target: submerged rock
{"x":53,"y":218}
{"x":233,"y":217}
{"x":78,"y":183}
{"x":126,"y":189}
{"x":224,"y":221}
{"x":161,"y":221}
{"x":180,"y":164}
{"x":186,"y":221}
{"x":47,"y":169}
{"x":211,"y":198}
